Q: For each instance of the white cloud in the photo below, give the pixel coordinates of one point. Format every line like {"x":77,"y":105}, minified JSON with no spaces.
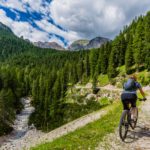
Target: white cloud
{"x":36,"y":5}
{"x":50,"y":28}
{"x":55,"y":39}
{"x":81,"y":19}
{"x":23,"y":29}
{"x":28,"y":32}
{"x":97,"y":17}
{"x":15,"y":4}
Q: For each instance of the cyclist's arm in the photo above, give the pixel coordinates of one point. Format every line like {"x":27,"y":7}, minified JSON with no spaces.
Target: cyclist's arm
{"x":142,"y":92}
{"x":138,"y":85}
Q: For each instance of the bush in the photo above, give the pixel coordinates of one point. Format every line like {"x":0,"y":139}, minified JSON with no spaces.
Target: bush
{"x":113,"y":81}
{"x":104,"y":101}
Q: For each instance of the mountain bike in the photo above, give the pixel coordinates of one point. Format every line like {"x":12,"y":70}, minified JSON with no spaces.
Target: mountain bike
{"x":126,"y":121}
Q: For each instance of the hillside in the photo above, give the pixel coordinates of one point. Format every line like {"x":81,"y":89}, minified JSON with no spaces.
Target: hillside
{"x":4,"y":29}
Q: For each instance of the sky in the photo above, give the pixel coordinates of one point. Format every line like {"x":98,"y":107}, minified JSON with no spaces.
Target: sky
{"x":64,"y":21}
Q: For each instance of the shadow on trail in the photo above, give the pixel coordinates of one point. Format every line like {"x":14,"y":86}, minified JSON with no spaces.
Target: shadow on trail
{"x":139,"y":132}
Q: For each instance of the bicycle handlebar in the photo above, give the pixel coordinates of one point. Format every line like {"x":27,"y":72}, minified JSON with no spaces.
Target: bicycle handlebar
{"x":142,"y":99}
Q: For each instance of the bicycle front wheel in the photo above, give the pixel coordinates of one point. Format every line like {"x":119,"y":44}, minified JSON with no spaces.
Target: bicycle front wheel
{"x":124,"y":125}
{"x":134,"y":120}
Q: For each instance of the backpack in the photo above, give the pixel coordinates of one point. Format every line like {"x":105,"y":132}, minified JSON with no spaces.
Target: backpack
{"x":130,"y":85}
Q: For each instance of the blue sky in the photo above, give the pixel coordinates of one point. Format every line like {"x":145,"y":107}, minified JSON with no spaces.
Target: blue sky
{"x":64,"y":21}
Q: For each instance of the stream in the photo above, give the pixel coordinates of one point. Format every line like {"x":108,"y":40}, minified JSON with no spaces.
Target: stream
{"x":15,"y":140}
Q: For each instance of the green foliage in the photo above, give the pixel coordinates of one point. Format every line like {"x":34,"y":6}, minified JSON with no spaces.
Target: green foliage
{"x":10,"y":90}
{"x":104,"y":101}
{"x":144,"y":77}
{"x":129,"y":59}
{"x":93,"y":61}
{"x":89,"y":136}
{"x":103,"y":80}
{"x":138,"y":43}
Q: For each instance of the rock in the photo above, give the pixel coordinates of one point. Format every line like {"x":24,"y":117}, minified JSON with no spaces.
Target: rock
{"x":91,"y":96}
{"x":88,"y":85}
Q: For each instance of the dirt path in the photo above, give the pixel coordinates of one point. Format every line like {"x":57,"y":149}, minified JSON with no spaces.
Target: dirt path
{"x":139,"y":139}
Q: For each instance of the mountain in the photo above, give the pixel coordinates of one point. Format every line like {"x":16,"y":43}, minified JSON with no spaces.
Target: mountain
{"x":4,"y":28}
{"x":79,"y":44}
{"x":96,"y":42}
{"x":88,"y":44}
{"x":52,"y":45}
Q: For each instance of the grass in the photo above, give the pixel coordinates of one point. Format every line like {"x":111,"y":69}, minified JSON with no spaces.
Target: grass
{"x":121,"y":70}
{"x":87,"y":137}
{"x":103,"y":80}
{"x":144,"y":77}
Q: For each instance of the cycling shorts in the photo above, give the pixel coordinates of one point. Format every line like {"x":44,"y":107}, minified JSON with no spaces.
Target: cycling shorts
{"x":128,"y":98}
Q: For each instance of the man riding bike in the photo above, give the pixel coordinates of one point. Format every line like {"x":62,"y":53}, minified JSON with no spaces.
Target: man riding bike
{"x":129,"y":95}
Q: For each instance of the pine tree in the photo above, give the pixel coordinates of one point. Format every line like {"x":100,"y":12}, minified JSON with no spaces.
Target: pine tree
{"x":138,"y":44}
{"x":98,"y":69}
{"x":114,"y":59}
{"x":129,"y":59}
{"x":35,"y":91}
{"x":80,"y":69}
{"x":87,"y":65}
{"x":122,"y":49}
{"x":105,"y":53}
{"x":41,"y":91}
{"x":147,"y":40}
{"x":64,"y":81}
{"x":93,"y":61}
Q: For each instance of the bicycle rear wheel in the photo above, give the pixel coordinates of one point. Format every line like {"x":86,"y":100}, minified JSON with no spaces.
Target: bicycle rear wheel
{"x":124,"y":125}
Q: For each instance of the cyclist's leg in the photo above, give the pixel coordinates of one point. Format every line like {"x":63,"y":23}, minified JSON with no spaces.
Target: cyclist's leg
{"x":133,"y":107}
{"x":125,"y":101}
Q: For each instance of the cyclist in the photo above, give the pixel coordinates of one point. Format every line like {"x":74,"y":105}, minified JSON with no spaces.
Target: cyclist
{"x":129,"y":95}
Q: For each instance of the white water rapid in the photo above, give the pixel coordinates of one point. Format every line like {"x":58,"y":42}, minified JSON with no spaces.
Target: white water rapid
{"x":15,"y":139}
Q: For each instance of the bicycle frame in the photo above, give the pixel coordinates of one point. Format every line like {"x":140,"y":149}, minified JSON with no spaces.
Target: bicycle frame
{"x":126,"y":121}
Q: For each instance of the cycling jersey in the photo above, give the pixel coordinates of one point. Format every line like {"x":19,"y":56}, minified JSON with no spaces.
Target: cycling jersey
{"x":137,"y":85}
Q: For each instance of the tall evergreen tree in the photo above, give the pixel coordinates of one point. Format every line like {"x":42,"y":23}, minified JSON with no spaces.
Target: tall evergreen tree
{"x":93,"y":61}
{"x":129,"y":59}
{"x":138,"y":44}
{"x":147,"y":40}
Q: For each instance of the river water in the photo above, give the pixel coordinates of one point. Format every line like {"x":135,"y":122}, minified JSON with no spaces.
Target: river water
{"x":15,"y":140}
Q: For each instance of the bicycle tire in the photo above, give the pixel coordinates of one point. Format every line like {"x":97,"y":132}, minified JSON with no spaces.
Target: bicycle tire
{"x":124,"y":124}
{"x":135,"y":122}
{"x":136,"y":117}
